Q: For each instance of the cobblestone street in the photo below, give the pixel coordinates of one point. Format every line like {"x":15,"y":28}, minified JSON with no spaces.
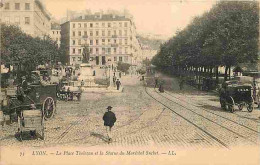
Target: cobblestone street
{"x":189,"y":119}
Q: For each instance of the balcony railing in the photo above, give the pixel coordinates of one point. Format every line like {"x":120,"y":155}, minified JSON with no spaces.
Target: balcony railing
{"x":114,"y":45}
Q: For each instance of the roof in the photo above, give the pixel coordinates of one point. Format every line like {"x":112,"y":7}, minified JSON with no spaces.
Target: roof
{"x":55,"y":26}
{"x":104,"y":17}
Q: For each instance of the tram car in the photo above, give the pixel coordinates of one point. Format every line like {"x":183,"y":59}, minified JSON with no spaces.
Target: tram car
{"x":234,"y":94}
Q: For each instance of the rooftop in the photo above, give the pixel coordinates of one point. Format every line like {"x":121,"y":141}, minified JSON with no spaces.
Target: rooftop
{"x":55,"y":26}
{"x":100,"y":17}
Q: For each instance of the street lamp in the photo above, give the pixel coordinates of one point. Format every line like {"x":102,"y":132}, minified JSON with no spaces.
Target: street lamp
{"x":110,"y":72}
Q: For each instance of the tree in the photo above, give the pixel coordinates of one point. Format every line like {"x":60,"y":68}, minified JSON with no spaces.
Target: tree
{"x":224,"y":36}
{"x":18,"y":48}
{"x":124,"y":67}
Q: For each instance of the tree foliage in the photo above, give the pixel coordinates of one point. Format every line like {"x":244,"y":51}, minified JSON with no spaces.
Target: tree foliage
{"x":224,"y":36}
{"x":123,"y":66}
{"x":23,"y":50}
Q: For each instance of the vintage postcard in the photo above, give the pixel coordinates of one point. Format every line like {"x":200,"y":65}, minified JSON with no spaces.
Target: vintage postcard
{"x":129,"y":82}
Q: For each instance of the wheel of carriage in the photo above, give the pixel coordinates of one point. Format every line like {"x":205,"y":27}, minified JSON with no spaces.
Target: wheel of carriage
{"x":250,"y":107}
{"x":240,"y":107}
{"x":231,"y":104}
{"x":48,"y":108}
{"x":231,"y":108}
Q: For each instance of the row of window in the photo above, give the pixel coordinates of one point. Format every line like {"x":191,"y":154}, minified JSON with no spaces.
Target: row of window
{"x":100,"y":24}
{"x":97,"y":33}
{"x":120,"y":58}
{"x":17,"y":20}
{"x":91,"y":42}
{"x":17,"y":6}
{"x":56,"y":32}
{"x":104,"y":50}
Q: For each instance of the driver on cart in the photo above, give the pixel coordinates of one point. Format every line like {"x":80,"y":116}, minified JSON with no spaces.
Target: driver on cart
{"x":23,"y":89}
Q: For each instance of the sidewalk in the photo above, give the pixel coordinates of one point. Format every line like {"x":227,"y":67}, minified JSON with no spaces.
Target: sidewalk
{"x":125,"y":80}
{"x":103,"y":90}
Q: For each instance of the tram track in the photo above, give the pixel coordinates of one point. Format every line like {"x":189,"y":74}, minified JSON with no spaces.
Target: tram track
{"x":212,"y":120}
{"x":233,"y":114}
{"x":149,"y":124}
{"x":206,"y":130}
{"x":191,"y":103}
{"x":189,"y":121}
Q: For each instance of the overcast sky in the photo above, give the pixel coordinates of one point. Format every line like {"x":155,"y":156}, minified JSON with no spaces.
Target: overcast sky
{"x":161,"y":17}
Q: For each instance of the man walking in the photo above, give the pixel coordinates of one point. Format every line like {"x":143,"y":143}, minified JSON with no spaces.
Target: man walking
{"x":118,"y":83}
{"x":109,"y":120}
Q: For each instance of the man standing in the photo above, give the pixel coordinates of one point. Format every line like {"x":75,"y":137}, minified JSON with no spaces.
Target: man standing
{"x":114,"y":80}
{"x":109,"y":120}
{"x":118,"y":83}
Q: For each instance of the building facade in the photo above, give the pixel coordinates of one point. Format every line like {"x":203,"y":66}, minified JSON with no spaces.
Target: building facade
{"x":109,"y":38}
{"x":55,"y":33}
{"x":29,"y":15}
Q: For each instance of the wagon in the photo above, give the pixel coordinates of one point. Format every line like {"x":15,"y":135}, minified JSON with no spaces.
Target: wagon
{"x":31,"y":120}
{"x":43,"y":96}
{"x":235,"y":94}
{"x":74,"y":91}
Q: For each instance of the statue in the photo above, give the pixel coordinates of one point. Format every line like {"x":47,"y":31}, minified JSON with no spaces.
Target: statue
{"x":86,"y":54}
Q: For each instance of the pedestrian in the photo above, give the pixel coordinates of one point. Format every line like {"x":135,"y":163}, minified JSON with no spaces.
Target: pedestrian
{"x":119,"y":74}
{"x":156,"y":82}
{"x":82,"y":83}
{"x":118,"y":83}
{"x":109,"y":120}
{"x":114,"y":80}
{"x":69,"y":96}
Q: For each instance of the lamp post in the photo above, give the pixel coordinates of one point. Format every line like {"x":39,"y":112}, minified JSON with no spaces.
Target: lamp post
{"x":110,"y":73}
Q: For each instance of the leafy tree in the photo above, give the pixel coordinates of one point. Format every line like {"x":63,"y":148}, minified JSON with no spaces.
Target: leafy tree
{"x":124,"y":67}
{"x":24,"y":51}
{"x":225,"y":36}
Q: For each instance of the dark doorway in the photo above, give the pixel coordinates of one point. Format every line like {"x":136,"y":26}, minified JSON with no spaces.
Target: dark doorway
{"x":97,"y":60}
{"x":103,"y":60}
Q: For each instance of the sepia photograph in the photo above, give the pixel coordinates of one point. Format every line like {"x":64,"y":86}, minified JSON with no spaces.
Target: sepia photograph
{"x":129,"y":82}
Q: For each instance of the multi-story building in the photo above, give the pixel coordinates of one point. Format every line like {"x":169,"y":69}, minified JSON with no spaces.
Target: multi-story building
{"x":109,"y":38}
{"x":55,"y":33}
{"x":30,"y":15}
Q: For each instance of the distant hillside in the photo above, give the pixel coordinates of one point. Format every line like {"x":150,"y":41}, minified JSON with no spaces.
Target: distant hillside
{"x":152,"y":43}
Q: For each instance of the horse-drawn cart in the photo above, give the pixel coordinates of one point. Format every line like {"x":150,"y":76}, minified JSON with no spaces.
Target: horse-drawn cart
{"x":42,"y":96}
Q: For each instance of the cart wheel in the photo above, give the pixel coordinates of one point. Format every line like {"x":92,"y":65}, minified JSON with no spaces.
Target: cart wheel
{"x":231,"y":108}
{"x":250,"y":107}
{"x":48,"y":108}
{"x":240,"y":107}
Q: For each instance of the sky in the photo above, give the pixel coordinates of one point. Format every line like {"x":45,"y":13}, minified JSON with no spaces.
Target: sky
{"x":159,"y":17}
